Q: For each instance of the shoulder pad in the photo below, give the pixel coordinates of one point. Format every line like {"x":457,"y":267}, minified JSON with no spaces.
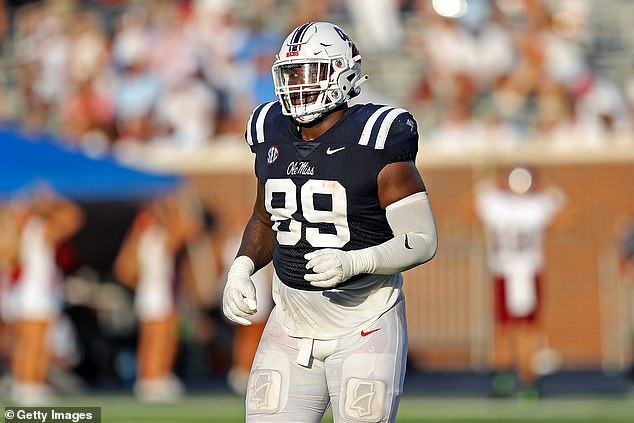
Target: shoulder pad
{"x":387,"y":126}
{"x":255,"y":130}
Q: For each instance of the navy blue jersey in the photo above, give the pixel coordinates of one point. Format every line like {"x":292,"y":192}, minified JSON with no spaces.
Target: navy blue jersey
{"x":324,"y":193}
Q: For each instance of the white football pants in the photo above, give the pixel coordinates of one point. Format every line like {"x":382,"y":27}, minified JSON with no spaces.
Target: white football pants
{"x":360,"y":375}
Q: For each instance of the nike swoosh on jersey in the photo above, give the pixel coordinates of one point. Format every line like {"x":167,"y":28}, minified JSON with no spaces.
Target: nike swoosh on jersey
{"x":363,"y":333}
{"x":407,"y":243}
{"x":329,"y":151}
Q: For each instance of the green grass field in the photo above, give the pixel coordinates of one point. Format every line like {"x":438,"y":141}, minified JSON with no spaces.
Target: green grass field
{"x":229,"y":409}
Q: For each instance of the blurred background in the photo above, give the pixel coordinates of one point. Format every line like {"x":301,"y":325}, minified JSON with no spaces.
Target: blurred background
{"x":132,"y":114}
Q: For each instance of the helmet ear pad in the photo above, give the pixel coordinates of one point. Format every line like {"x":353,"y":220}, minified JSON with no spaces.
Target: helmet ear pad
{"x":346,"y":83}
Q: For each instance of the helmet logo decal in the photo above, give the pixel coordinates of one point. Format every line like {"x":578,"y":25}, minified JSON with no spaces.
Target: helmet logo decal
{"x":273,"y":154}
{"x":342,"y":34}
{"x":295,"y":45}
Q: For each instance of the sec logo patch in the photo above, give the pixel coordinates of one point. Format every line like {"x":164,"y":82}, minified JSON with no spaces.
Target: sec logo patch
{"x":273,"y":154}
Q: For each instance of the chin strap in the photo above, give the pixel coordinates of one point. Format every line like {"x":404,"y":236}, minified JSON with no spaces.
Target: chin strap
{"x":302,"y":120}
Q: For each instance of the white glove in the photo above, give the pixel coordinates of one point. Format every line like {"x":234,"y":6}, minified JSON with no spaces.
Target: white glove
{"x":331,"y":267}
{"x":238,"y":299}
{"x":415,"y":242}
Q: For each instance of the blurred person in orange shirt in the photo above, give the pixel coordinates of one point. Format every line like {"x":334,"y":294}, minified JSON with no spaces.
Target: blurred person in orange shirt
{"x":148,"y":262}
{"x":516,"y":212}
{"x":33,"y":229}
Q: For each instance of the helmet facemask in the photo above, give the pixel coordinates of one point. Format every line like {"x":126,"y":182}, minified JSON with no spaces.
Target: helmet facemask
{"x":301,"y":88}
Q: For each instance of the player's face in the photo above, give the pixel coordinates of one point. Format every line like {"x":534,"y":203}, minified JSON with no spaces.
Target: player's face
{"x":307,"y":76}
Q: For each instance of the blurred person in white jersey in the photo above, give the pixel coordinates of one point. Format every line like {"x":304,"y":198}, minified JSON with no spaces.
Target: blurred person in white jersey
{"x":341,"y":210}
{"x":32,"y":296}
{"x":148,"y":262}
{"x":516,"y":212}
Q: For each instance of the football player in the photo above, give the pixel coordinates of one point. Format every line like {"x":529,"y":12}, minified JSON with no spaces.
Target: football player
{"x":341,"y":209}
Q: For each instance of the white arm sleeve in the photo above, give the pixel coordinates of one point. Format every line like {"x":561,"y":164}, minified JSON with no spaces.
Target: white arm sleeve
{"x":415,"y":239}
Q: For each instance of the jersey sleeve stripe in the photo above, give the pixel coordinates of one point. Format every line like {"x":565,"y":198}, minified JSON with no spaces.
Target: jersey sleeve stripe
{"x":385,"y":127}
{"x":259,"y":125}
{"x":251,"y":125}
{"x":249,"y":128}
{"x":367,"y":129}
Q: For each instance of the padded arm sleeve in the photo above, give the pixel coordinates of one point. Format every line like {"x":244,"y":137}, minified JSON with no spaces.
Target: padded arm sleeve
{"x":415,"y":239}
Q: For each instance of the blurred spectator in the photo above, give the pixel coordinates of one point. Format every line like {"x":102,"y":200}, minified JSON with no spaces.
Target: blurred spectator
{"x":136,"y":85}
{"x":172,"y":42}
{"x":32,"y":294}
{"x":515,"y":213}
{"x":377,"y":29}
{"x":600,"y":102}
{"x":219,"y":34}
{"x":86,"y":113}
{"x":306,"y":11}
{"x":457,"y":131}
{"x":86,"y":117}
{"x":183,"y":73}
{"x":255,"y":58}
{"x":148,"y":262}
{"x":185,"y":115}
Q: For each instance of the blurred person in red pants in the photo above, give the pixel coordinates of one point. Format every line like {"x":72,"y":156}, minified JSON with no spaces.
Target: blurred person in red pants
{"x":516,"y":212}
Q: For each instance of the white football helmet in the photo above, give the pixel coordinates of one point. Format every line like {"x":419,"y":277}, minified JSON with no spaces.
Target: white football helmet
{"x":317,"y":69}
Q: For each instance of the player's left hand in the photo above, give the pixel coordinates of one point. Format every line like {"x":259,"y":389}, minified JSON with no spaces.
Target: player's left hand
{"x":330,"y":267}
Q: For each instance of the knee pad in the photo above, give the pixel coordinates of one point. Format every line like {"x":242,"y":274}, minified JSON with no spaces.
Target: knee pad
{"x":268,"y":384}
{"x":368,"y":384}
{"x":364,"y":400}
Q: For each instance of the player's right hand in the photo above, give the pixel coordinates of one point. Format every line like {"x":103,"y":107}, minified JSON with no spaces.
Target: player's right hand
{"x":238,"y":299}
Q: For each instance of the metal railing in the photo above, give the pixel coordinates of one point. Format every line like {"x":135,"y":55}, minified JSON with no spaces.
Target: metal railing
{"x":449,"y":306}
{"x":616,"y":296}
